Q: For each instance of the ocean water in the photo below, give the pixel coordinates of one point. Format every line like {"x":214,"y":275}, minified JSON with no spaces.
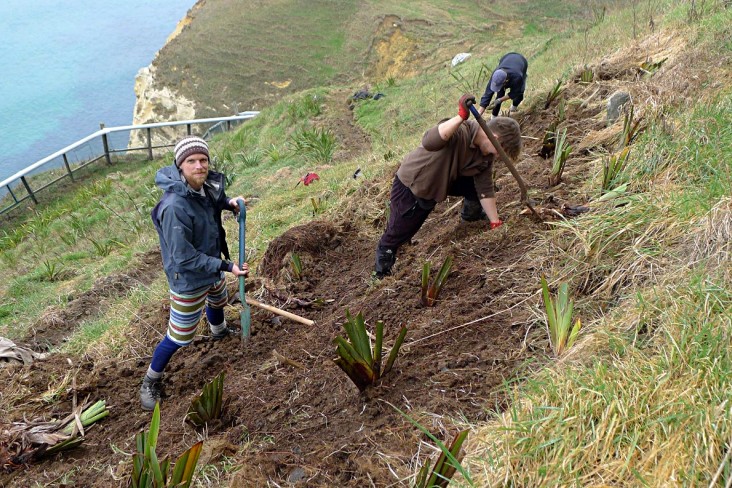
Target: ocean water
{"x":69,"y":65}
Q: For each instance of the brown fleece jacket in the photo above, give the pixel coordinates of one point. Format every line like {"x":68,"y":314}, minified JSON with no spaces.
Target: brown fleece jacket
{"x":434,"y":166}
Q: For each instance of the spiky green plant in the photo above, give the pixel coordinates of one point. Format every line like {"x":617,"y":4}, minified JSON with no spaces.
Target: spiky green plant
{"x":208,"y":405}
{"x":51,"y":271}
{"x":474,"y":84}
{"x":357,"y":358}
{"x":318,"y":205}
{"x":148,"y":472}
{"x":612,"y":166}
{"x":587,"y":75}
{"x":445,"y":467}
{"x":631,"y":128}
{"x":554,"y":93}
{"x":559,"y":318}
{"x":561,"y":154}
{"x":315,"y":145}
{"x":649,"y":68}
{"x":251,"y":159}
{"x":549,"y":142}
{"x":431,"y":291}
{"x":296,"y":265}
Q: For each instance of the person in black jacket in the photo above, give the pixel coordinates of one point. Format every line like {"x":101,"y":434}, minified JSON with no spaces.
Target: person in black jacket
{"x":510,"y":75}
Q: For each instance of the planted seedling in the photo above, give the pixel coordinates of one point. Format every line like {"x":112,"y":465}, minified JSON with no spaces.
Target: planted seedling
{"x":357,"y":358}
{"x":559,"y":318}
{"x":147,"y":471}
{"x":445,"y":467}
{"x":208,"y":405}
{"x":549,"y":142}
{"x":612,"y":166}
{"x":296,"y":266}
{"x":554,"y":93}
{"x":431,"y":291}
{"x":561,"y":153}
{"x":587,"y":75}
{"x":631,"y":128}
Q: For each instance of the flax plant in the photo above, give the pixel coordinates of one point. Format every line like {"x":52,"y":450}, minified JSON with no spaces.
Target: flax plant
{"x":445,"y":467}
{"x":559,"y":318}
{"x":431,"y":291}
{"x":148,"y":472}
{"x":561,"y":154}
{"x":209,"y":404}
{"x":296,"y":265}
{"x":357,"y":358}
{"x":612,"y":166}
{"x":554,"y":93}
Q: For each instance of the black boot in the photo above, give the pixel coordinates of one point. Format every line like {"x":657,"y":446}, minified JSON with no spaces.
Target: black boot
{"x":472,"y":211}
{"x":385,"y":259}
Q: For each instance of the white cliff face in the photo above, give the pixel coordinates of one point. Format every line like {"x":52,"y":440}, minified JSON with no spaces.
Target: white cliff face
{"x":158,"y":104}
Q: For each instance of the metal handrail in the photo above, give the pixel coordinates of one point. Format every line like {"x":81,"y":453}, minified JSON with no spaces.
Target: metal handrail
{"x":103,"y":133}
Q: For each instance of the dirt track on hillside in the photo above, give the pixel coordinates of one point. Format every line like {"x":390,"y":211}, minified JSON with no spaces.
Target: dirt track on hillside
{"x":310,"y":426}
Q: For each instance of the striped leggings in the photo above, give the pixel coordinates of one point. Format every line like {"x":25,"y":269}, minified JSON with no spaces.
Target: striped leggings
{"x":186,"y":310}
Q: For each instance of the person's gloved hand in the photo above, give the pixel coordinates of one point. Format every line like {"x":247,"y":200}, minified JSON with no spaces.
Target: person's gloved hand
{"x":514,"y":108}
{"x":495,"y":225}
{"x":463,"y":109}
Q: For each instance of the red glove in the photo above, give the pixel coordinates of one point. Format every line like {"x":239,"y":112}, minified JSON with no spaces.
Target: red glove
{"x":463,"y":109}
{"x":495,"y":225}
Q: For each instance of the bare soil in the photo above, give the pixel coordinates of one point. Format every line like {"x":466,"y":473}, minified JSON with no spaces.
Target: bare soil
{"x":310,"y":426}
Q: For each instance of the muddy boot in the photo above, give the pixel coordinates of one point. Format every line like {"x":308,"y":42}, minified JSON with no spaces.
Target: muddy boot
{"x":472,"y":211}
{"x":223,"y":333}
{"x":385,"y":259}
{"x":150,"y":392}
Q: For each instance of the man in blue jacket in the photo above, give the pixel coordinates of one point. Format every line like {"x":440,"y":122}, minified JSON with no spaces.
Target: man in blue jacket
{"x":192,"y":242}
{"x":510,"y":75}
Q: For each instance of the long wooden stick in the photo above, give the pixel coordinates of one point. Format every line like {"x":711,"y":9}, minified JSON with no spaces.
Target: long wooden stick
{"x":278,"y":311}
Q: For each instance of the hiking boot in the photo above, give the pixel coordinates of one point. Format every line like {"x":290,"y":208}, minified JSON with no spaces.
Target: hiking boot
{"x":226,"y":332}
{"x":385,"y":259}
{"x":472,"y":211}
{"x":150,"y":392}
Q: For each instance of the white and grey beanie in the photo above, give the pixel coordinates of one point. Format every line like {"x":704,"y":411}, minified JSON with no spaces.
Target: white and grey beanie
{"x":187,"y":146}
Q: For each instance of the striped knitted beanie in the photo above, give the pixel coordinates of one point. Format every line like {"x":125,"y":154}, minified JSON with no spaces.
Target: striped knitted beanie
{"x":187,"y":146}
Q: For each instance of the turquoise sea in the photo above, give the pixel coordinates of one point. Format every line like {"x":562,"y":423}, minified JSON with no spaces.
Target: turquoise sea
{"x":71,"y":64}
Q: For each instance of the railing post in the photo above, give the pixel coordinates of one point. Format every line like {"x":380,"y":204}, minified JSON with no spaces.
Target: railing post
{"x":11,"y":193}
{"x":68,"y":168}
{"x":228,"y":125}
{"x":28,"y":189}
{"x":188,"y":126}
{"x":105,"y":142}
{"x":149,"y":144}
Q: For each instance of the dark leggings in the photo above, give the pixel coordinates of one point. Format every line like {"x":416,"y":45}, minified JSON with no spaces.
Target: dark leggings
{"x":408,"y":212}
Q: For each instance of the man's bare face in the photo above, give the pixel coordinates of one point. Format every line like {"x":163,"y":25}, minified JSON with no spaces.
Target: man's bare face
{"x":195,"y":170}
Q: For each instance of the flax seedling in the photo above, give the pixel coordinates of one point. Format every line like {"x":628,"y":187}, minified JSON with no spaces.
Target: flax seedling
{"x":559,"y":318}
{"x":431,"y":291}
{"x":445,"y":467}
{"x":318,"y":205}
{"x":561,"y":154}
{"x":51,"y":271}
{"x":612,"y":166}
{"x":631,"y":128}
{"x":549,"y":142}
{"x":296,"y":265}
{"x":148,"y":472}
{"x":648,"y":68}
{"x":587,"y":75}
{"x":357,"y":358}
{"x":554,"y":93}
{"x":209,"y":404}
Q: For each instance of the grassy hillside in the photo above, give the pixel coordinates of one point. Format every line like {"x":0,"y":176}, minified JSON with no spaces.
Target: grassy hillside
{"x":249,"y":54}
{"x":641,"y":399}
